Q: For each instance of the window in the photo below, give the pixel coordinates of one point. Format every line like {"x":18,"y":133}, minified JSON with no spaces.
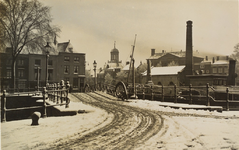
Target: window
{"x":220,"y":70}
{"x":207,"y":71}
{"x":66,"y":69}
{"x":159,"y":83}
{"x":201,"y":66}
{"x":20,"y":73}
{"x":9,"y":74}
{"x":50,"y":74}
{"x":76,"y":59}
{"x":76,"y":68}
{"x":70,"y":49}
{"x":66,"y":58}
{"x":20,"y":62}
{"x":75,"y":82}
{"x":225,"y":70}
{"x":36,"y":74}
{"x":50,"y":62}
{"x":37,"y":62}
{"x":171,"y":83}
{"x":214,"y":70}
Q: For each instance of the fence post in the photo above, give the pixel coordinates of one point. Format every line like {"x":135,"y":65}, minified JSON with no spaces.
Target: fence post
{"x":152,"y":94}
{"x":4,"y":106}
{"x":54,"y":92}
{"x":175,"y":93}
{"x":143,"y":93}
{"x":57,"y":93}
{"x":208,"y":102}
{"x":227,"y":90}
{"x":162,"y":94}
{"x":67,"y":92}
{"x":62,"y":88}
{"x":44,"y":102}
{"x":190,"y":94}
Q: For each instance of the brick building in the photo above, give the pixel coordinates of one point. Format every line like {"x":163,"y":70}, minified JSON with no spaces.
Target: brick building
{"x":63,"y":65}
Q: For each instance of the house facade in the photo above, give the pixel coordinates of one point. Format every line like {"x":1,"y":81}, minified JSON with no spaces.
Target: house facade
{"x":31,"y":68}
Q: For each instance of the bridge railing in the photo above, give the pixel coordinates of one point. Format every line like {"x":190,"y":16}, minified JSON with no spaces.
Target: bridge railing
{"x":203,"y":95}
{"x":57,"y":94}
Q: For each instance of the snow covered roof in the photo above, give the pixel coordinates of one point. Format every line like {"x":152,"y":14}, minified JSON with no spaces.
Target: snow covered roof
{"x":221,"y":62}
{"x":136,"y":65}
{"x":170,"y":70}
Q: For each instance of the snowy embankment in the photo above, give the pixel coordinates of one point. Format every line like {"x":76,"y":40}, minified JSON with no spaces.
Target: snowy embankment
{"x":182,"y":128}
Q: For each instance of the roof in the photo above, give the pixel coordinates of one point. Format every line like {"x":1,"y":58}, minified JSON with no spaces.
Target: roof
{"x":221,"y":62}
{"x":177,"y":54}
{"x":115,"y":50}
{"x":62,"y":46}
{"x":169,"y":70}
{"x":136,"y":65}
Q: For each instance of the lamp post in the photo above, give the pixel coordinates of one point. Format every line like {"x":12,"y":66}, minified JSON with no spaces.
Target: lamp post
{"x":95,"y":64}
{"x":38,"y":77}
{"x":47,"y":48}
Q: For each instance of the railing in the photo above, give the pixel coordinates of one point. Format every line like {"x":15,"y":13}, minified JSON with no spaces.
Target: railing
{"x":56,"y":94}
{"x":181,"y":94}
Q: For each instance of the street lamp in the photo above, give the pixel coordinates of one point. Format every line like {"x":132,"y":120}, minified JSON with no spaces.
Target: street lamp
{"x":95,"y":64}
{"x":47,"y":48}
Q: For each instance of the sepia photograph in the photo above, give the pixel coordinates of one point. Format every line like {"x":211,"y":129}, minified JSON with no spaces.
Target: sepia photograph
{"x":119,"y":75}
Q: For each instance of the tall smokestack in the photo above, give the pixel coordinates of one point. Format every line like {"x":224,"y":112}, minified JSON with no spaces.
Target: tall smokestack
{"x":232,"y":74}
{"x":189,"y":50}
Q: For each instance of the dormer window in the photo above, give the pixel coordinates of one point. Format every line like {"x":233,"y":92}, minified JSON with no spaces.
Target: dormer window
{"x":70,"y":49}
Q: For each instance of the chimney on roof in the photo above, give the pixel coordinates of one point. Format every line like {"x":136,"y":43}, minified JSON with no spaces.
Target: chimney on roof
{"x":213,"y":60}
{"x":149,"y":77}
{"x":189,"y":50}
{"x":206,"y":58}
{"x":152,"y":52}
{"x":163,"y":51}
{"x":227,"y":57}
{"x":217,"y":58}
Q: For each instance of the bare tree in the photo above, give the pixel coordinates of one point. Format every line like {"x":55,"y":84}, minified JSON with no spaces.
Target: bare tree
{"x":235,"y":56}
{"x":24,"y":24}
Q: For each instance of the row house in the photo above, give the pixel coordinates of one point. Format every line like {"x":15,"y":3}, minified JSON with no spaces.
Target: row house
{"x":31,"y":68}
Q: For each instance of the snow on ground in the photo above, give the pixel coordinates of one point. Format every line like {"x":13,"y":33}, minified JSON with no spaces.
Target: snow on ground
{"x":180,"y":131}
{"x":21,"y":135}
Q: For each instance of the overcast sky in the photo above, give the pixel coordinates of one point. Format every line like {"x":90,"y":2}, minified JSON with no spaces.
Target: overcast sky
{"x":92,"y":26}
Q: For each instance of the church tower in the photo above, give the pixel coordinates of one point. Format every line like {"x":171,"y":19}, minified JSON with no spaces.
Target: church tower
{"x":114,"y":55}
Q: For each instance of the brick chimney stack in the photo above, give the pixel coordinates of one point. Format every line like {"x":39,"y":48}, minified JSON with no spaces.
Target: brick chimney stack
{"x":149,"y":77}
{"x":189,"y":50}
{"x":152,"y":52}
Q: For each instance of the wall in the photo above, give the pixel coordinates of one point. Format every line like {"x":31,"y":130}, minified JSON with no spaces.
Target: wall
{"x":164,"y":79}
